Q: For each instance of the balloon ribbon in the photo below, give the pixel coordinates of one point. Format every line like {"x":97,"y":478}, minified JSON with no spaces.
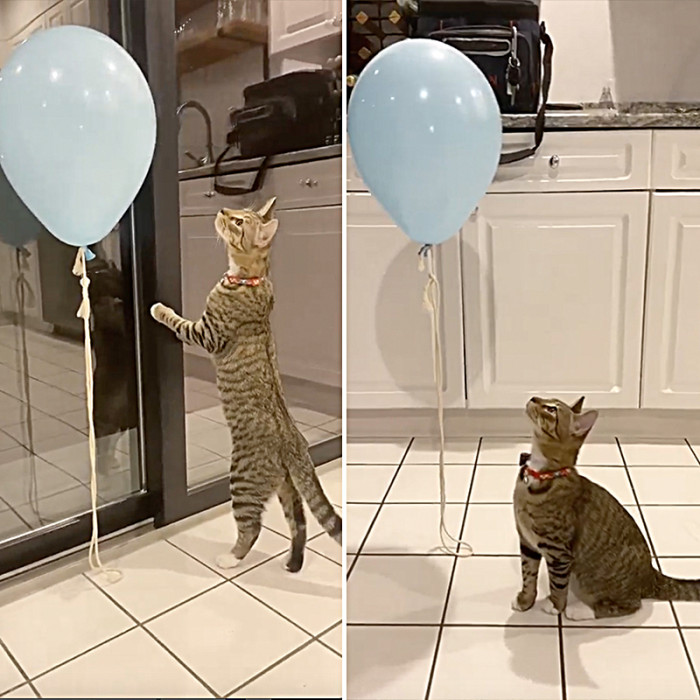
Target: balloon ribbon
{"x":80,"y":270}
{"x":431,"y":302}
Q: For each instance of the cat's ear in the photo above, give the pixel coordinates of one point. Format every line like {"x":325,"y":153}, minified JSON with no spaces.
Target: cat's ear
{"x":266,"y":233}
{"x":265,"y":211}
{"x":576,"y":408}
{"x":584,"y":422}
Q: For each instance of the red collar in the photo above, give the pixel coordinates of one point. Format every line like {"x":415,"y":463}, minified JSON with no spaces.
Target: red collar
{"x":544,"y":476}
{"x":241,"y":281}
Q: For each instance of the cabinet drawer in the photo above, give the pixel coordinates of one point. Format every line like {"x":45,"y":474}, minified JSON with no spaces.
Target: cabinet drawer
{"x":676,"y":160}
{"x":566,"y":162}
{"x":577,"y":161}
{"x":313,"y":184}
{"x":197,"y":197}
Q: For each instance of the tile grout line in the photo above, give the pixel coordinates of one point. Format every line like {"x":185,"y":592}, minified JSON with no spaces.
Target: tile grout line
{"x":658,"y":564}
{"x":288,"y":656}
{"x":441,"y":628}
{"x":238,"y":586}
{"x":142,"y":626}
{"x":325,"y":632}
{"x":687,"y":442}
{"x":269,"y":668}
{"x":269,"y":607}
{"x":23,"y":673}
{"x":381,"y":505}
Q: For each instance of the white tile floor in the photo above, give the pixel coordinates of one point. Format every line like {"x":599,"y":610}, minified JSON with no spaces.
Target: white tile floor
{"x":427,"y":625}
{"x":175,"y":625}
{"x":59,"y":420}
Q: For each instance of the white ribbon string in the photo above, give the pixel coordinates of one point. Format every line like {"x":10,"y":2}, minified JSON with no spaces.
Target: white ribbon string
{"x":431,"y":301}
{"x":80,"y":270}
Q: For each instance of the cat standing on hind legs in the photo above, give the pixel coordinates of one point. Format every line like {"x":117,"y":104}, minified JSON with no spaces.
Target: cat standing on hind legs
{"x":588,"y":541}
{"x":269,"y":454}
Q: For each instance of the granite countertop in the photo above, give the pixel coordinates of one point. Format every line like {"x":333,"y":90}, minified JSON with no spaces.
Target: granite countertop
{"x":637,"y":115}
{"x":229,"y":167}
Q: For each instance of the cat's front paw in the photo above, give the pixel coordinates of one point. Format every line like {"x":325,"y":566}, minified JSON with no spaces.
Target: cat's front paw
{"x":548,"y":607}
{"x":522,"y":602}
{"x":158,"y":311}
{"x":578,"y":612}
{"x":227,"y":561}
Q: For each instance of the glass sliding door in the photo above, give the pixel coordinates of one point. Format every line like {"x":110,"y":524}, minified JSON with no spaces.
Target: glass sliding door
{"x":44,"y":463}
{"x":201,"y":57}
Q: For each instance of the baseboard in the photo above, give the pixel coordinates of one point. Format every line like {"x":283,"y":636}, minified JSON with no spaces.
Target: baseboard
{"x":506,"y":423}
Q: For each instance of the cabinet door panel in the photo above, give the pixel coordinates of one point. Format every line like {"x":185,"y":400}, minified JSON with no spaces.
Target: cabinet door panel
{"x":306,"y":269}
{"x":553,"y":287}
{"x":300,"y":22}
{"x":204,"y":261}
{"x":389,"y":354}
{"x":676,"y":161}
{"x":671,"y":377}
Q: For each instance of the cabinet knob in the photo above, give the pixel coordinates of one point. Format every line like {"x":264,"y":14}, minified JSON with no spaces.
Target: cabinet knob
{"x":308,"y":182}
{"x":337,"y":20}
{"x":210,"y":193}
{"x":554,"y":162}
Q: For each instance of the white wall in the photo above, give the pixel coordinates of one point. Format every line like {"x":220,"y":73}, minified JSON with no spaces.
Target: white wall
{"x":645,"y":50}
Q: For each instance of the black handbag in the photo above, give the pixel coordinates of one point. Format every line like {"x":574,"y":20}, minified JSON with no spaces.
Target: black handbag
{"x":504,"y":39}
{"x":292,"y":112}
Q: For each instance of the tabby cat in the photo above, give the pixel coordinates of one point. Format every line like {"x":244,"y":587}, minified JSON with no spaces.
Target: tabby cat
{"x":585,"y":536}
{"x":269,"y":453}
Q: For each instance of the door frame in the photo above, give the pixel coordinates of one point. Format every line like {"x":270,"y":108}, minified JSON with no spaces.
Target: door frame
{"x":159,"y":277}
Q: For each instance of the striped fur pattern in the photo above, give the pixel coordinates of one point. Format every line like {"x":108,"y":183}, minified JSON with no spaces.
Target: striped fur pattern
{"x":588,"y":541}
{"x":269,"y":455}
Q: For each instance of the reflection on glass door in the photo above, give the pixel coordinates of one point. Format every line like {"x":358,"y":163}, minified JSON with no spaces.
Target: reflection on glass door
{"x":229,"y":52}
{"x":44,"y":463}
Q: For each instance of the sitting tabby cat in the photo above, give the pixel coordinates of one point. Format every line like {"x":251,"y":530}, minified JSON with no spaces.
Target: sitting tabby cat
{"x":269,"y":454}
{"x":585,"y":536}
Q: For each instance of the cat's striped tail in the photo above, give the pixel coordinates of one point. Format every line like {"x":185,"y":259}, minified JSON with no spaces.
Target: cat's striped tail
{"x":667,"y":588}
{"x":306,"y":480}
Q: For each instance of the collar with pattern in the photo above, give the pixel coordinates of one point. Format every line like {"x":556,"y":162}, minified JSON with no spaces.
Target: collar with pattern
{"x":234,"y":280}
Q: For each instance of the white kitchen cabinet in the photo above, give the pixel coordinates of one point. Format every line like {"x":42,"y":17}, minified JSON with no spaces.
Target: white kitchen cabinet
{"x":56,"y":15}
{"x":389,"y":352}
{"x":294,"y":24}
{"x":305,"y":261}
{"x":306,"y":269}
{"x":78,"y":12}
{"x":671,"y":369}
{"x":583,"y":161}
{"x":553,"y":298}
{"x":676,"y":159}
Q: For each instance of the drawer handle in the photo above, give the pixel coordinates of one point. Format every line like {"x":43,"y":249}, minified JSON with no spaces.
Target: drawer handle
{"x":210,"y":194}
{"x":308,"y":182}
{"x":554,"y":162}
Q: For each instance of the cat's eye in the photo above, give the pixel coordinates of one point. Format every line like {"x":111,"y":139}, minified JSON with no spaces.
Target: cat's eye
{"x":550,"y":409}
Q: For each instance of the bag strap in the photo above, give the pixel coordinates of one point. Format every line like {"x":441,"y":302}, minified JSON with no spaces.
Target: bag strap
{"x":227,"y":189}
{"x":540,"y":118}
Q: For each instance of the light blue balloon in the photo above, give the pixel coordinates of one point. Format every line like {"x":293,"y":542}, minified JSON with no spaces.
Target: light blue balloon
{"x":425,"y":133}
{"x":18,"y":226}
{"x":77,"y":130}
